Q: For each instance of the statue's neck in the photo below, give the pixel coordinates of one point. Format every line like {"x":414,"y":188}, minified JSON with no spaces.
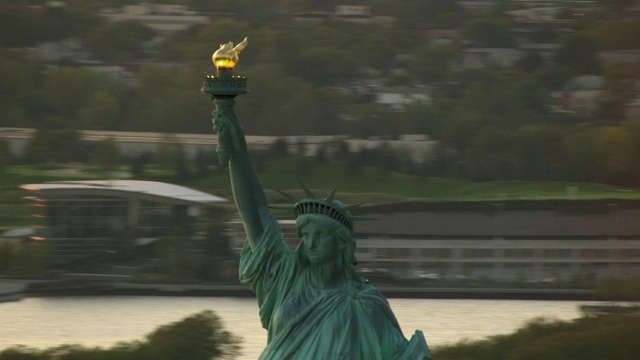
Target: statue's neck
{"x":329,"y":276}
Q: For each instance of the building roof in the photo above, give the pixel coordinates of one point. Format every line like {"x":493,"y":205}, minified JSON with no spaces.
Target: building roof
{"x":144,"y":190}
{"x":584,"y":83}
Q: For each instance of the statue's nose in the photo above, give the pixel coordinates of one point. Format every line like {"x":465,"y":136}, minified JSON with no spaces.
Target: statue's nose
{"x":312,"y":242}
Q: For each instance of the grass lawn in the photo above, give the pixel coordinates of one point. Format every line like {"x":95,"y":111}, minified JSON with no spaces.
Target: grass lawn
{"x":369,"y":185}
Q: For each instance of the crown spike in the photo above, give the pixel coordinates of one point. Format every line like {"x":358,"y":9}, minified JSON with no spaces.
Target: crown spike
{"x":362,"y":218}
{"x":281,"y":207}
{"x":331,"y":196}
{"x":306,"y":190}
{"x":354,"y":206}
{"x":288,"y":196}
{"x":289,"y":217}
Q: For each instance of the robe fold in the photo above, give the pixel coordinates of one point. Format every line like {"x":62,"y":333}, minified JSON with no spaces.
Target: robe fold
{"x":307,"y":322}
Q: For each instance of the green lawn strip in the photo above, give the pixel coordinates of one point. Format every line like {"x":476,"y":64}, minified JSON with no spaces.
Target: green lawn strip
{"x":366,"y":185}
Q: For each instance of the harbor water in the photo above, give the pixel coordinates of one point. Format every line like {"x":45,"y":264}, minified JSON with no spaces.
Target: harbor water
{"x":106,"y":320}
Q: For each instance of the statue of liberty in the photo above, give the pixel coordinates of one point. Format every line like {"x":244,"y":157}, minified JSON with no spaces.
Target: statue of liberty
{"x":312,"y":302}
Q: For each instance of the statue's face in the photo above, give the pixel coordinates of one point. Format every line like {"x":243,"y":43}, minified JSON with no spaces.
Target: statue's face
{"x":320,"y":243}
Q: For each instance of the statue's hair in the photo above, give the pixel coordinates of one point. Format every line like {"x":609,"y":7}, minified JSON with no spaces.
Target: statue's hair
{"x":341,"y":233}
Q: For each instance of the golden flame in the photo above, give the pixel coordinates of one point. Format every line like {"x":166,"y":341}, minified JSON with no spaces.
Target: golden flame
{"x":227,"y":56}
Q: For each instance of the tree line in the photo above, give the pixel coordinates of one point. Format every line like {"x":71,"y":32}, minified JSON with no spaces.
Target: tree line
{"x":202,"y":336}
{"x":490,"y":124}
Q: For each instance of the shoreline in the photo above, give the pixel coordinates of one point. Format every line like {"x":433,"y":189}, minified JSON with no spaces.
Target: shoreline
{"x":77,"y":288}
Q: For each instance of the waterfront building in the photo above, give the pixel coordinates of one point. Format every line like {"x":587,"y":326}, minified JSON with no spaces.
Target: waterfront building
{"x":533,"y":241}
{"x":80,"y":219}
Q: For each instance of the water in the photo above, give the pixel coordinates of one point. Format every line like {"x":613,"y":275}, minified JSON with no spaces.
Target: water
{"x":104,"y":321}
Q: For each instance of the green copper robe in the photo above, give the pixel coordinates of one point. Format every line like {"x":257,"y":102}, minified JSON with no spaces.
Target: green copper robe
{"x":307,"y":322}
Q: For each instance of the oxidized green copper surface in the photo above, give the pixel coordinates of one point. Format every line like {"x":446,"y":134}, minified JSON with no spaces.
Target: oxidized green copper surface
{"x":224,"y":83}
{"x":311,"y":301}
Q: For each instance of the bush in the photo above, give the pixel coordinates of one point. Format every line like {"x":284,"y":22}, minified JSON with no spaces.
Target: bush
{"x":197,"y":337}
{"x":592,"y":338}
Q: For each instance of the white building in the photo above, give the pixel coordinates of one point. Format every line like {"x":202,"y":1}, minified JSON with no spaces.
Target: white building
{"x":397,"y":97}
{"x":581,"y":95}
{"x":478,"y":58}
{"x":160,"y":17}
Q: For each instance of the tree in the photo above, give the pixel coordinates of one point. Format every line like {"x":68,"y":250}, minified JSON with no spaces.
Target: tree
{"x":490,"y":32}
{"x":491,"y":156}
{"x":620,"y":89}
{"x":323,"y":65}
{"x":55,"y":145}
{"x":6,"y":158}
{"x":106,"y":155}
{"x":101,"y":112}
{"x":580,"y":149}
{"x":623,"y":34}
{"x":578,"y":53}
{"x":308,"y":110}
{"x":118,"y":41}
{"x":417,"y":12}
{"x":616,"y":156}
{"x":197,"y":337}
{"x":432,"y":62}
{"x":78,"y":84}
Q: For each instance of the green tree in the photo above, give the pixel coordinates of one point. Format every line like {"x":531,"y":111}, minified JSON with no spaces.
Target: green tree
{"x":264,"y":112}
{"x":490,"y":32}
{"x":622,"y":34}
{"x":78,"y":85}
{"x":432,"y":62}
{"x":101,"y":112}
{"x":197,"y":337}
{"x":118,"y":41}
{"x":491,"y":156}
{"x":16,"y":91}
{"x":417,"y":12}
{"x":578,"y":53}
{"x":21,"y":26}
{"x":6,"y":158}
{"x":541,"y":151}
{"x":580,"y":149}
{"x":55,"y":145}
{"x":616,"y":156}
{"x":589,"y":338}
{"x":105,"y":155}
{"x":620,"y":89}
{"x":323,"y":65}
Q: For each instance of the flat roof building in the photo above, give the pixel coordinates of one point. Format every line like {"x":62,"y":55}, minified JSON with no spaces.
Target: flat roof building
{"x":80,"y":219}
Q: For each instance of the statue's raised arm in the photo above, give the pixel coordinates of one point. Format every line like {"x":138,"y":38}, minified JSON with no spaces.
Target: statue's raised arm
{"x":247,"y":190}
{"x":232,"y":145}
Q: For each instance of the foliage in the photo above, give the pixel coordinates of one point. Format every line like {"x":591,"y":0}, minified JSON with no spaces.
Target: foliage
{"x":23,"y":260}
{"x":105,"y":155}
{"x":25,"y":27}
{"x":198,"y":337}
{"x":596,"y":338}
{"x":623,"y":34}
{"x":618,"y":288}
{"x":56,"y":145}
{"x":118,"y":41}
{"x":490,"y":32}
{"x":578,"y":52}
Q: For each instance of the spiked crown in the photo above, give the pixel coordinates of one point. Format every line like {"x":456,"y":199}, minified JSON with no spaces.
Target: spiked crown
{"x":327,"y":207}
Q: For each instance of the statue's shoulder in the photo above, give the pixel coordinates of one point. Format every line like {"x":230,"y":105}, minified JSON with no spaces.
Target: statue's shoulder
{"x":366,"y":292}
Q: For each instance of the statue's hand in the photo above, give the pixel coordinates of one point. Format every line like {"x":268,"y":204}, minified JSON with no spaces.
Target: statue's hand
{"x":230,"y":137}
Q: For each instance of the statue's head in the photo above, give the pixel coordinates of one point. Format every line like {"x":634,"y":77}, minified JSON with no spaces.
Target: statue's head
{"x":325,"y":226}
{"x":324,"y":240}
